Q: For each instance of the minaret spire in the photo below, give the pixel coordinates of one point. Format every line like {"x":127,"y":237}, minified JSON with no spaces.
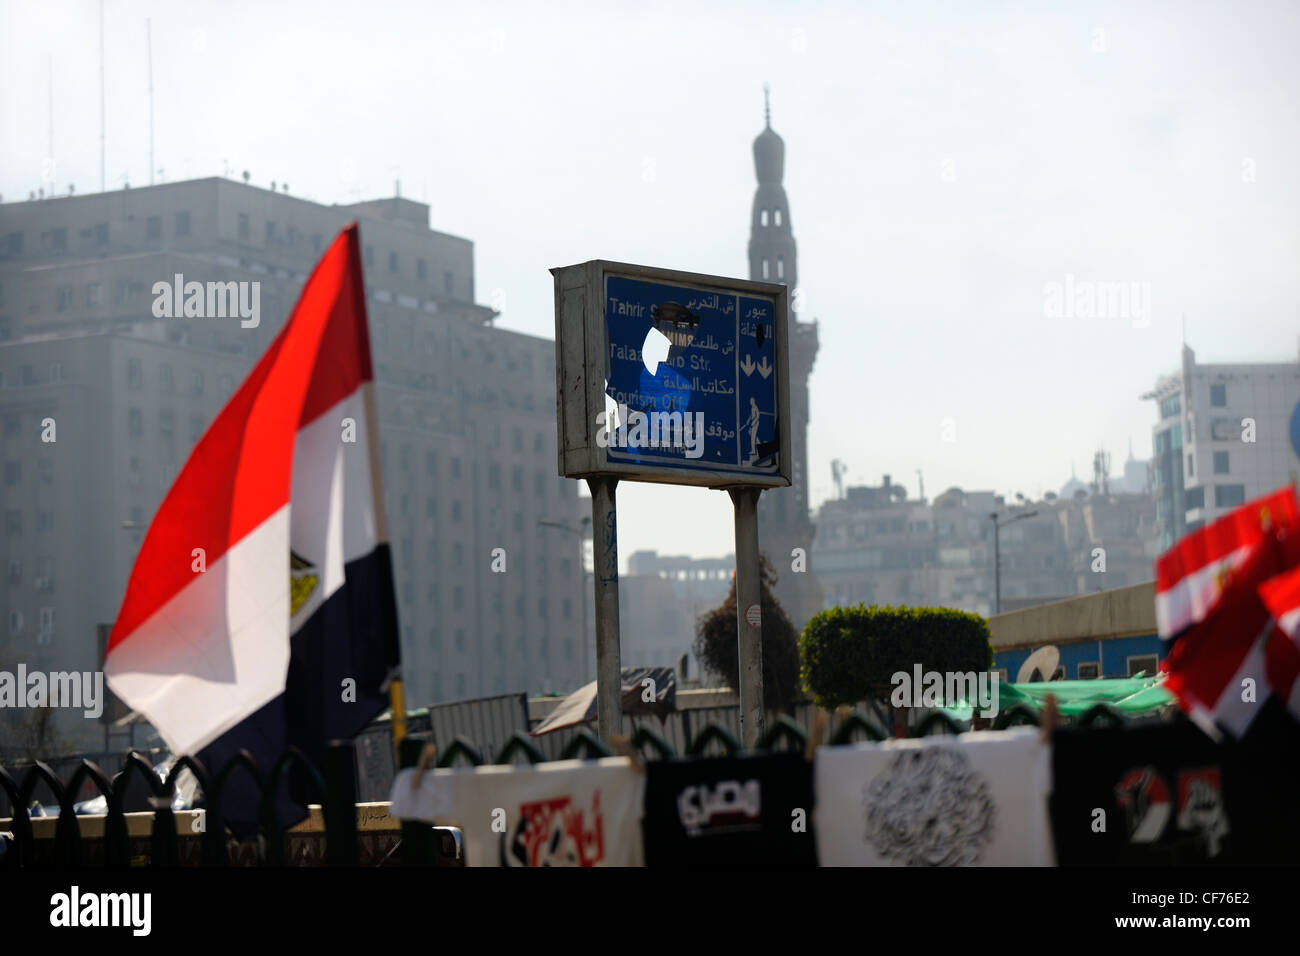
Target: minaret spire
{"x":784,"y":522}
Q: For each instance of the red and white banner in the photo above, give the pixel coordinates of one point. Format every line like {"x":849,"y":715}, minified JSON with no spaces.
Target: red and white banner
{"x":1226,"y":652}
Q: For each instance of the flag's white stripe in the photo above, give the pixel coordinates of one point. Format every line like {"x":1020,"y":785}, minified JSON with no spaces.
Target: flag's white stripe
{"x":1188,"y":600}
{"x":333,"y":508}
{"x":1290,"y":624}
{"x":219,"y":649}
{"x":1230,"y":710}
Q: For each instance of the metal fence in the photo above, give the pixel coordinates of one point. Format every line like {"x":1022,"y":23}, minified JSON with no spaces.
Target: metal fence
{"x":334,"y":785}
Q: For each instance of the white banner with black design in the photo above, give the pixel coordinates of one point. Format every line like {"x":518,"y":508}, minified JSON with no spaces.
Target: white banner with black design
{"x":976,"y":799}
{"x":564,"y":813}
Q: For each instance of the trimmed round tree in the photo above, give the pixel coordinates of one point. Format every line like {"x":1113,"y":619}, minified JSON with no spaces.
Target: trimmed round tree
{"x":850,"y":654}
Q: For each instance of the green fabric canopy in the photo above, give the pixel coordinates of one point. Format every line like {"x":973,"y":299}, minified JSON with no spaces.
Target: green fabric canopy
{"x":1132,"y":696}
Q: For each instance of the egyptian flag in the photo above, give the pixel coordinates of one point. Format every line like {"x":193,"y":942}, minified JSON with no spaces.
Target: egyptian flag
{"x":1191,"y":575}
{"x":260,"y":612}
{"x":1225,"y":655}
{"x":1281,"y":595}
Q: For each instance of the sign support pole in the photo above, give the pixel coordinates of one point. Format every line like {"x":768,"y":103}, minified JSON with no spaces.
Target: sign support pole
{"x":609,"y":671}
{"x":749,"y":606}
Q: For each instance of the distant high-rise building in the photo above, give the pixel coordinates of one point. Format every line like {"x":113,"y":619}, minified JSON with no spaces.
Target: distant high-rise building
{"x":102,"y":399}
{"x":1225,"y":434}
{"x":784,"y":522}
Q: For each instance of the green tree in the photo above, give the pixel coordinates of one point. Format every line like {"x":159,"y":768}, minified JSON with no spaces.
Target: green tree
{"x":716,"y":648}
{"x":850,"y":654}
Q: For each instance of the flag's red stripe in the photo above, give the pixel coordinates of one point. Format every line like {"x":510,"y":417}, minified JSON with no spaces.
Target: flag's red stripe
{"x":240,"y":473}
{"x":1282,"y":593}
{"x":1246,"y":525}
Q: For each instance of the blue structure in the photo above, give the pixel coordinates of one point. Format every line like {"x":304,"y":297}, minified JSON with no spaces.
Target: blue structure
{"x":1107,"y":634}
{"x":704,"y":354}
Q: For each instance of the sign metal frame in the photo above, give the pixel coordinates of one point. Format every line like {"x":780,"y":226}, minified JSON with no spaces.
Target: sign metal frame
{"x":581,"y":352}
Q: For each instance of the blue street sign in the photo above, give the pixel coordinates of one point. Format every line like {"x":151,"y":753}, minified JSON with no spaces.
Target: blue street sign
{"x":690,"y":377}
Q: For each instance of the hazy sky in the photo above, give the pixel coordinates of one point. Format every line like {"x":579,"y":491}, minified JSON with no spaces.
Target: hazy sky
{"x":945,"y":163}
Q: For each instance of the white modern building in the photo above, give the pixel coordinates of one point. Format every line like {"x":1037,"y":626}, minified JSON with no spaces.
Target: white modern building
{"x":1225,"y":434}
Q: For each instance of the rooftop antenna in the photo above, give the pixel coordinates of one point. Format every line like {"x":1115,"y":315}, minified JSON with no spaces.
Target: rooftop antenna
{"x":920,"y":481}
{"x":148,"y":32}
{"x":51,"y":169}
{"x":767,"y":106}
{"x":103,"y":181}
{"x":838,"y":468}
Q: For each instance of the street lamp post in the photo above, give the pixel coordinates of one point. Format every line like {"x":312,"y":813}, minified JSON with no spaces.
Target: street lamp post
{"x":997,"y":557}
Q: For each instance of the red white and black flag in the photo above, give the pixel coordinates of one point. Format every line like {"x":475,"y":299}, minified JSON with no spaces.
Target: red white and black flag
{"x":1225,"y":653}
{"x":260,"y":612}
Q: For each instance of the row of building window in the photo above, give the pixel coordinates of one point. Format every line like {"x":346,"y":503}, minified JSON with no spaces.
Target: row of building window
{"x":780,"y":268}
{"x":290,"y":238}
{"x":55,"y":241}
{"x":763,"y":219}
{"x":499,"y":644}
{"x":434,"y":599}
{"x":1171,"y":406}
{"x":17,"y":623}
{"x":461,"y":687}
{"x":44,"y":579}
{"x":1220,"y":460}
{"x":14,"y":521}
{"x":1225,"y":496}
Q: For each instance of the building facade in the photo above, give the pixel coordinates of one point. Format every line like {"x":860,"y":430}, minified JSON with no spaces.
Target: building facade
{"x":876,"y":546}
{"x":101,"y":401}
{"x":661,"y":600}
{"x":1224,"y":434}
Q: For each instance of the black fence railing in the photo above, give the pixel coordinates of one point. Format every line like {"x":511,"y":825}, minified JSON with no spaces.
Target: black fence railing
{"x":334,"y":785}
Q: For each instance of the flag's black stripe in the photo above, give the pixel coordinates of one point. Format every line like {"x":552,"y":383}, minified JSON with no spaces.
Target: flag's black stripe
{"x":352,"y":635}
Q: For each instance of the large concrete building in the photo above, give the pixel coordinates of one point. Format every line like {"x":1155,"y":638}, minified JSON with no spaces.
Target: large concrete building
{"x":876,"y":546}
{"x":661,"y":600}
{"x":101,"y":402}
{"x":1224,"y":434}
{"x":784,"y":519}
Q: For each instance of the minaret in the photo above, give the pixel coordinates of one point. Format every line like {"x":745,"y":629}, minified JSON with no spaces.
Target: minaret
{"x":783,"y":519}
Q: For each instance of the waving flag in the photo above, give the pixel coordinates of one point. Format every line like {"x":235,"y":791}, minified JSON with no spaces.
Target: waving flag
{"x":260,"y":611}
{"x":1190,"y":576}
{"x":1282,"y":595}
{"x":1225,"y":652}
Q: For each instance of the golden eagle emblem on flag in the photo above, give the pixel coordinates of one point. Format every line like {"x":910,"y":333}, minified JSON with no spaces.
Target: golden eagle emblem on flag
{"x":303,"y":580}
